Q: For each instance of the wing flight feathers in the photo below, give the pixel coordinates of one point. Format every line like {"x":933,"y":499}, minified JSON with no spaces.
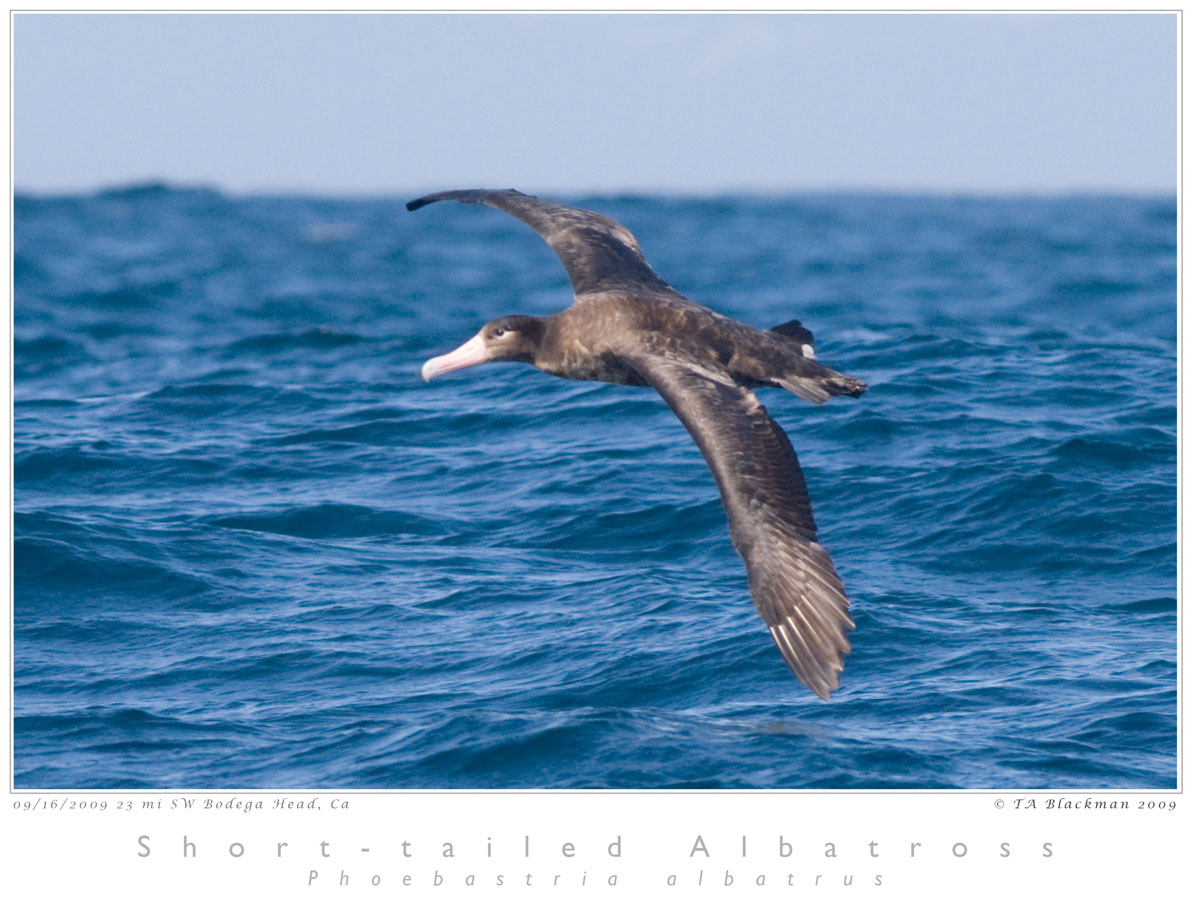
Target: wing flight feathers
{"x":791,"y":577}
{"x":599,"y":255}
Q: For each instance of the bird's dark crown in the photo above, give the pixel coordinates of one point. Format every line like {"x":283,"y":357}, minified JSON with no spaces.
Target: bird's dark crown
{"x":514,"y":338}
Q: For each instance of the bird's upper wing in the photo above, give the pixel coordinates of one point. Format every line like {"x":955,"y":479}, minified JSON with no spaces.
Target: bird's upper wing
{"x":599,"y":255}
{"x":792,"y":579}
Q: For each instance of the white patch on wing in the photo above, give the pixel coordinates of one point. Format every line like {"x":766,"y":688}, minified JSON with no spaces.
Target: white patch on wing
{"x":623,"y":235}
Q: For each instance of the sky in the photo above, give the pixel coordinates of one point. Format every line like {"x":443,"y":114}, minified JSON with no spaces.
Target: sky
{"x":695,"y":103}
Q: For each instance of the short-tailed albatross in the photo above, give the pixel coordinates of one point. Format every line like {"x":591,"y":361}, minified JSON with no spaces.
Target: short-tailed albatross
{"x":627,"y":326}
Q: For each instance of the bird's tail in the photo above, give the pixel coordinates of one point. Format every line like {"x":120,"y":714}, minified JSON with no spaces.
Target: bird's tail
{"x":819,"y":388}
{"x":801,"y":374}
{"x":845,"y":385}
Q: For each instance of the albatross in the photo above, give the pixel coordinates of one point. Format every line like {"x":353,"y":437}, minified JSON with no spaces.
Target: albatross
{"x":627,"y":326}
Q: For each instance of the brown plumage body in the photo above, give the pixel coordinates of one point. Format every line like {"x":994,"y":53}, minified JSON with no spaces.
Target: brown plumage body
{"x":627,"y":326}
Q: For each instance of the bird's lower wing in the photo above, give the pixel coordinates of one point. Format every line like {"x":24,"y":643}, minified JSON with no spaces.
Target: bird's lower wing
{"x":792,"y":579}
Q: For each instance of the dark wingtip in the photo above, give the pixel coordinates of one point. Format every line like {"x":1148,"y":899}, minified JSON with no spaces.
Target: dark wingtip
{"x":463,"y":196}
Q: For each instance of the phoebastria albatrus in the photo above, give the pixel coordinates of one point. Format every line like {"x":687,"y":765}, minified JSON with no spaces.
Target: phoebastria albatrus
{"x":627,"y":326}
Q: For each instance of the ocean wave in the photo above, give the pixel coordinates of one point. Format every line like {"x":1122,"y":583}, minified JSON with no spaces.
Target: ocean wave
{"x":254,"y":549}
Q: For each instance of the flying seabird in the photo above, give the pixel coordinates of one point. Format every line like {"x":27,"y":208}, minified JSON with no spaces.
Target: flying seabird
{"x":627,"y":326}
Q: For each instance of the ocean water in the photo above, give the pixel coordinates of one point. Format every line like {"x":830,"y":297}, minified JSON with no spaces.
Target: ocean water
{"x":253,"y":549}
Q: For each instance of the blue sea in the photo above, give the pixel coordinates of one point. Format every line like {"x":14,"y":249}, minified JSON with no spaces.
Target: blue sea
{"x":253,"y":549}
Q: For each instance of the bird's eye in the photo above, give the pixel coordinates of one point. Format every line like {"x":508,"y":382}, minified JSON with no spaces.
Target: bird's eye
{"x":500,"y":331}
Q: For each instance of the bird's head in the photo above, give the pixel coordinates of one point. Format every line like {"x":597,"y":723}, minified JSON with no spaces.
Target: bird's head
{"x":507,"y":339}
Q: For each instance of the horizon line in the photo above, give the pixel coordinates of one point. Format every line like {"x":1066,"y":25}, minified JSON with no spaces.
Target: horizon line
{"x":628,"y":190}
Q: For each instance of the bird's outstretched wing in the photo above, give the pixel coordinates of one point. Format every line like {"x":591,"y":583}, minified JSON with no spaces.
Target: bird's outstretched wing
{"x":599,"y":255}
{"x":792,"y":579}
